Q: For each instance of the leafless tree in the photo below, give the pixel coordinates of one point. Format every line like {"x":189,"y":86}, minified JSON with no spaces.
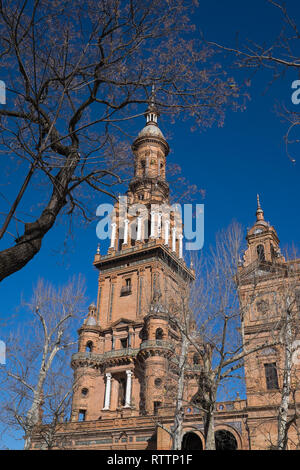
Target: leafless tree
{"x":218,"y":335}
{"x":276,"y":58}
{"x":76,"y":74}
{"x":34,"y":381}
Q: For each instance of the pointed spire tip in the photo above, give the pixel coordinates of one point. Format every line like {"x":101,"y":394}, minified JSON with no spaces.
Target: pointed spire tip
{"x":259,"y":211}
{"x":258,"y":202}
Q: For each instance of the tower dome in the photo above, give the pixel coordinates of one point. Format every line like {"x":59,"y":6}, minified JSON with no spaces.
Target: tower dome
{"x":91,"y":321}
{"x":151,"y":129}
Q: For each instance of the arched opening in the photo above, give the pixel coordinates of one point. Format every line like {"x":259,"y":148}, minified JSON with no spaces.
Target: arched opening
{"x":143,"y":334}
{"x":146,"y":229}
{"x":122,"y":391}
{"x":196,"y":358}
{"x":191,"y":441}
{"x":152,"y":442}
{"x":159,"y":334}
{"x":225,"y":440}
{"x":89,"y":346}
{"x":260,"y":252}
{"x":273,"y":253}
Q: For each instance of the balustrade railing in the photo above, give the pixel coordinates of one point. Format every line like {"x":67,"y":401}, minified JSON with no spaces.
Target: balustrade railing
{"x":106,"y":355}
{"x":157,"y":342}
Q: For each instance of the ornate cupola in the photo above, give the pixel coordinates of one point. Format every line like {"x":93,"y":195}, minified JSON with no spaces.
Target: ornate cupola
{"x":263,"y":242}
{"x":151,"y":129}
{"x":91,"y":319}
{"x":89,"y":331}
{"x":150,"y":149}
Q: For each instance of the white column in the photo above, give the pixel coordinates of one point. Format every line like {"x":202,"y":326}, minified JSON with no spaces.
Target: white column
{"x":107,"y":391}
{"x":167,"y":231}
{"x":139,"y":229}
{"x":180,"y":237}
{"x":159,"y":224}
{"x":174,"y":239}
{"x":128,"y":389}
{"x":126,"y":222}
{"x":152,"y":235}
{"x":113,"y":234}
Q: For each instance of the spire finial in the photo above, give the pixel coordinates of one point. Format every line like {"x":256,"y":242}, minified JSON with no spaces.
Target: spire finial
{"x":258,"y":202}
{"x":259,"y":211}
{"x":152,"y":112}
{"x":152,"y":97}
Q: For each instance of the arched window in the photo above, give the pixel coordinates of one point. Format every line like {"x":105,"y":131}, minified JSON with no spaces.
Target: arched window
{"x":143,"y":334}
{"x":196,"y":358}
{"x":124,"y":342}
{"x":89,"y":346}
{"x":273,"y":253}
{"x":147,"y":229}
{"x":159,"y":333}
{"x":271,"y":376}
{"x":225,"y":440}
{"x":156,"y":407}
{"x":260,"y":252}
{"x":81,"y":415}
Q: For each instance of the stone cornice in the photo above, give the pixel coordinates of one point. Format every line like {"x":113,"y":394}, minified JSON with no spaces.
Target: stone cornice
{"x":151,"y":140}
{"x":159,"y":249}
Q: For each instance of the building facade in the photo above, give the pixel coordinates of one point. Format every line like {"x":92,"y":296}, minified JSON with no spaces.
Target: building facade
{"x":126,"y":367}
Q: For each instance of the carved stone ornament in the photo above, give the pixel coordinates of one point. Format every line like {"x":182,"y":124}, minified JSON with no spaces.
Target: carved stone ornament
{"x":262,"y":306}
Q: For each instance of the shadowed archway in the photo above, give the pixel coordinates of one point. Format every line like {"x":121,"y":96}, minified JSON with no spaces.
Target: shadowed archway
{"x":152,"y":442}
{"x":191,"y":441}
{"x":225,"y":440}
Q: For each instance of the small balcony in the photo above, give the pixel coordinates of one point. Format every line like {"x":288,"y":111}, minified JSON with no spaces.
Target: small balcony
{"x":99,"y":359}
{"x":157,"y":343}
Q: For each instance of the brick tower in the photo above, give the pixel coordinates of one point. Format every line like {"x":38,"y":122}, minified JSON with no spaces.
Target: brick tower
{"x":268,"y":283}
{"x":126,"y":370}
{"x":126,"y":342}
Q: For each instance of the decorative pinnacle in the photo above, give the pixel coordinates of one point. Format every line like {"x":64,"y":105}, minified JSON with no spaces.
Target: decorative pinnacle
{"x":152,"y":96}
{"x":152,"y":112}
{"x":98,"y":249}
{"x":258,"y":202}
{"x":259,"y":211}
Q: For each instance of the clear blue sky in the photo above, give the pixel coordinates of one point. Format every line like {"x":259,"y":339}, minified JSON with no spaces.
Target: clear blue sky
{"x":232,"y":163}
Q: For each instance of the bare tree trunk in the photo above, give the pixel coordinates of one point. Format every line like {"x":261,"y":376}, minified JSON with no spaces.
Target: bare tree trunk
{"x":285,"y":395}
{"x":179,"y":411}
{"x":209,"y":430}
{"x":207,"y":399}
{"x":33,"y":413}
{"x":32,"y":418}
